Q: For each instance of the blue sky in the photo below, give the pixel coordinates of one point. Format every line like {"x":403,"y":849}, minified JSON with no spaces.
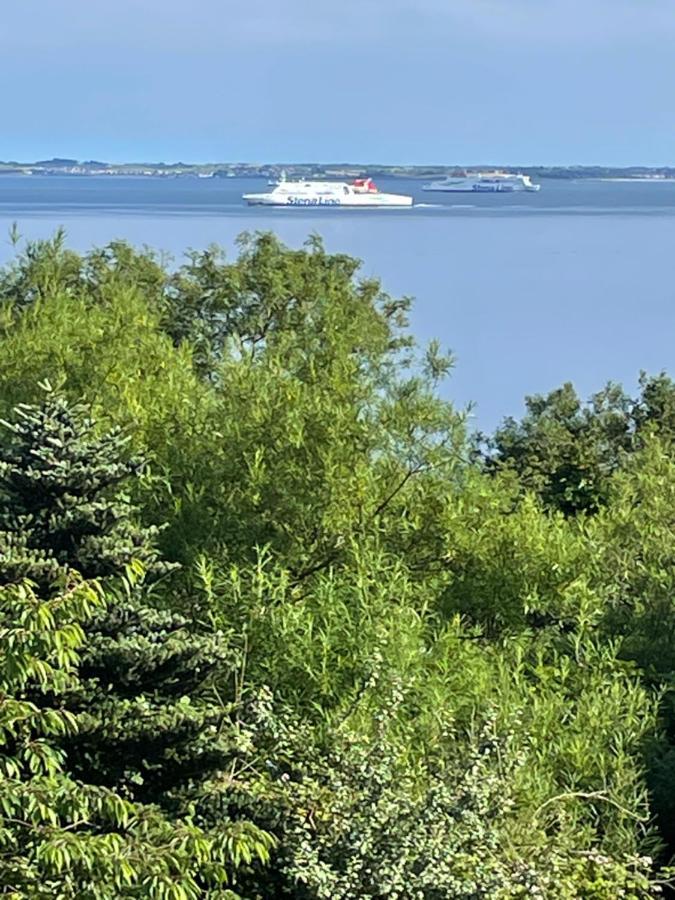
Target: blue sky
{"x":439,"y":81}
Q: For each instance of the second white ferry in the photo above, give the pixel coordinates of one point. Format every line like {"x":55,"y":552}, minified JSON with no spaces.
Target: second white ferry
{"x":361,"y":192}
{"x":484,"y":182}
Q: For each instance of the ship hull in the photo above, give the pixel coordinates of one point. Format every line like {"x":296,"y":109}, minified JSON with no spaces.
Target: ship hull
{"x":484,"y":183}
{"x":355,"y":201}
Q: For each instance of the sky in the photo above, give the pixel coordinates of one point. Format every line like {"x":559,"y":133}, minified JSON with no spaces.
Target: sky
{"x":393,"y":81}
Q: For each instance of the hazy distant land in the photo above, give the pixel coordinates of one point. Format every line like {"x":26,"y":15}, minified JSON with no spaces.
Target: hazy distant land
{"x":62,"y":166}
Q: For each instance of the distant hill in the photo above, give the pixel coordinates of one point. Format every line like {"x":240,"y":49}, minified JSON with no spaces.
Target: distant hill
{"x":56,"y":162}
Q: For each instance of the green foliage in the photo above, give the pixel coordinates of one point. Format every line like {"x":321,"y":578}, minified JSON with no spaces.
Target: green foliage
{"x":59,"y":488}
{"x":381,"y":669}
{"x":566,"y":451}
{"x":148,"y":723}
{"x":355,"y":818}
{"x":509,"y":566}
{"x":634,"y":544}
{"x":130,"y":719}
{"x":142,"y":728}
{"x":633,"y":541}
{"x":58,"y":836}
{"x":308,"y":422}
{"x":355,"y":822}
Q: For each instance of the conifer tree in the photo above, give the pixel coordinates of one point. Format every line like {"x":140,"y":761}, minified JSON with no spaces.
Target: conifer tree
{"x":61,"y":498}
{"x":146,"y":726}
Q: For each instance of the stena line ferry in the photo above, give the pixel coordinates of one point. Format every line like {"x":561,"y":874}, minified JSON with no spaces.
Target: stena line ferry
{"x":484,"y":182}
{"x":360,"y":193}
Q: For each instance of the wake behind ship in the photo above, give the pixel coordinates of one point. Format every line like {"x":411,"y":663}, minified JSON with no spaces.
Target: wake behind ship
{"x":360,"y":193}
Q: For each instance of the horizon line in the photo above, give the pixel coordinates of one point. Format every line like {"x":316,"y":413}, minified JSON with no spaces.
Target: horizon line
{"x":324,"y":162}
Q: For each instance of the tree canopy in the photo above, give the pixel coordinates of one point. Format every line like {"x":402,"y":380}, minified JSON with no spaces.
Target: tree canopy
{"x":273,"y":624}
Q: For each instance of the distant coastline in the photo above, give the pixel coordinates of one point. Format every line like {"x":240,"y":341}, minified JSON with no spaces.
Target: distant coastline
{"x":88,"y":168}
{"x":643,"y":179}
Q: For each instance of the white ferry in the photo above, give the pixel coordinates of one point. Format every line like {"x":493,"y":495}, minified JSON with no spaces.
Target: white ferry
{"x":361,"y":192}
{"x":484,"y":182}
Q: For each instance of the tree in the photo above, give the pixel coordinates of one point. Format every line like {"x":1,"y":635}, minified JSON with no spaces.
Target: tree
{"x":279,"y":395}
{"x":566,"y":451}
{"x":60,"y":493}
{"x":147,"y":724}
{"x":356,"y":815}
{"x":632,"y":545}
{"x":59,"y":836}
{"x":319,"y":497}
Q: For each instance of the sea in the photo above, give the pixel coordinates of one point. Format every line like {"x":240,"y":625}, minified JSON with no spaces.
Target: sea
{"x":574,"y":283}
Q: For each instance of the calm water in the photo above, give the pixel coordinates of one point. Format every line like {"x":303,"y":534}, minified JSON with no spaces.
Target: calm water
{"x":528,"y":290}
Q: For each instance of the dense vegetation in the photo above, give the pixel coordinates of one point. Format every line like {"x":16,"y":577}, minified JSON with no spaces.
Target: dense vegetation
{"x":274,"y":625}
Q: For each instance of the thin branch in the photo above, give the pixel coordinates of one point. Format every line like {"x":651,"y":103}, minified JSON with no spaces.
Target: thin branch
{"x":589,"y":795}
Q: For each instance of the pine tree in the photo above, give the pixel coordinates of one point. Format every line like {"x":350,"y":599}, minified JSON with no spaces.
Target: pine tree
{"x":106,"y":729}
{"x":146,"y":724}
{"x":62,"y":506}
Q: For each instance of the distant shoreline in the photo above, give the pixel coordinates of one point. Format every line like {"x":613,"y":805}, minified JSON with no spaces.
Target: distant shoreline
{"x":644,"y":179}
{"x":89,"y":168}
